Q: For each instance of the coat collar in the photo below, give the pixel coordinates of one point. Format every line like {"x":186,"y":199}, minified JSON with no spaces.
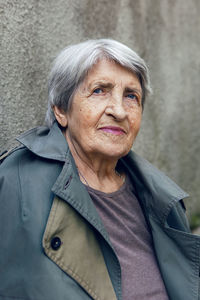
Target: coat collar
{"x":45,"y":142}
{"x":156,"y":191}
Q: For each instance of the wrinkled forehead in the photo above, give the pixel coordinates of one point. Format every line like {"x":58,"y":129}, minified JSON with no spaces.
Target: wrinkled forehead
{"x":107,"y":70}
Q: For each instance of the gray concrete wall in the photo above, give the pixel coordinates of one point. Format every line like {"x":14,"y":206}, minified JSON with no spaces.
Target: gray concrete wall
{"x":166,"y":33}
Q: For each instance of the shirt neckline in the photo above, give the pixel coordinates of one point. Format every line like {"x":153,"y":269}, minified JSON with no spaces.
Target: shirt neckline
{"x":121,"y":189}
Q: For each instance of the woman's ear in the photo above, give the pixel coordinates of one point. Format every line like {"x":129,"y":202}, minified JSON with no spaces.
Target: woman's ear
{"x":61,"y":116}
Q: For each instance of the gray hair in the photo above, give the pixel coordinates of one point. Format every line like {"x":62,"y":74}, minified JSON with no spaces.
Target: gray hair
{"x":71,"y":66}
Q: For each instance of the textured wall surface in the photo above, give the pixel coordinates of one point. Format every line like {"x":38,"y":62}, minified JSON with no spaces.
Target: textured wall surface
{"x":165,"y":33}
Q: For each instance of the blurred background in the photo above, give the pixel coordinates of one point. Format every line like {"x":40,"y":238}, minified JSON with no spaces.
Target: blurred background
{"x":165,"y":33}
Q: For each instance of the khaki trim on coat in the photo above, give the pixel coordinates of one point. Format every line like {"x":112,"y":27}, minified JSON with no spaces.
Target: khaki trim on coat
{"x":79,"y":254}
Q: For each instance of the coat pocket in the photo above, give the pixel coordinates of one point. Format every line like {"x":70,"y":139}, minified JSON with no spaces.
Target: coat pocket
{"x":179,"y":260}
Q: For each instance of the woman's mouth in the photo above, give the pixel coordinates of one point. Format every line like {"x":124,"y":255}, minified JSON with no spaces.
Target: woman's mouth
{"x":113,"y":130}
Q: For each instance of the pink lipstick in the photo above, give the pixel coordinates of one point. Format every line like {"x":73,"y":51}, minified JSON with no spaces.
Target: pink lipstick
{"x":113,"y":130}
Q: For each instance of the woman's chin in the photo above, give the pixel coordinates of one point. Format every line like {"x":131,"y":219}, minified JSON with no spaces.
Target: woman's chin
{"x":114,"y":153}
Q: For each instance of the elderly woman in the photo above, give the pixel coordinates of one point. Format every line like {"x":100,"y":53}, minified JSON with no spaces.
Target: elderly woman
{"x":82,"y":216}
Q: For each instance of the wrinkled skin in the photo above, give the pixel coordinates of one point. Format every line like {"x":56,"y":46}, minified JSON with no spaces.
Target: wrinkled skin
{"x":105,"y":116}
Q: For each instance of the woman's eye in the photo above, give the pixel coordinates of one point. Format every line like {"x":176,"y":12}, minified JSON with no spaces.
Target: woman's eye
{"x":98,"y":91}
{"x":132,"y":96}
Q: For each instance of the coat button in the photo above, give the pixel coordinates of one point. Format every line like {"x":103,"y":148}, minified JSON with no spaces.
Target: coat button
{"x":55,"y":243}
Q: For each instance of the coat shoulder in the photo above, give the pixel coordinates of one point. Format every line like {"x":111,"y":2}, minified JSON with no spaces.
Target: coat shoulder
{"x":9,"y":165}
{"x":7,"y":153}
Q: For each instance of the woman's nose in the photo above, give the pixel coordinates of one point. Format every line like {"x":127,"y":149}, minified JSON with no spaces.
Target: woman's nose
{"x":115,"y":107}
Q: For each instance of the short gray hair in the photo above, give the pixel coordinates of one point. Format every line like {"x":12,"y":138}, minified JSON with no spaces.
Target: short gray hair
{"x":71,"y":66}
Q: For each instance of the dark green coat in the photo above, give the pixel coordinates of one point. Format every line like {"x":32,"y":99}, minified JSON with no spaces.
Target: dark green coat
{"x":53,"y":243}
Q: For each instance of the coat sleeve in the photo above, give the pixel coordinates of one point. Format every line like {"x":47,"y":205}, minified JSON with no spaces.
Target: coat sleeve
{"x":9,"y":193}
{"x":9,"y":222}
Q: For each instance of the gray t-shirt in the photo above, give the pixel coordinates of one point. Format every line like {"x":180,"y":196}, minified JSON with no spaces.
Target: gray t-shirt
{"x":124,"y":221}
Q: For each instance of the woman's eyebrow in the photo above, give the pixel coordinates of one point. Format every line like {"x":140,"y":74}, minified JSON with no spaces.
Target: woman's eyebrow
{"x":103,"y":84}
{"x":133,"y":90}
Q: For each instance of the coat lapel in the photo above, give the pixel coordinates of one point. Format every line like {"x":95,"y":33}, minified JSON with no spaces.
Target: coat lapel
{"x":70,"y":220}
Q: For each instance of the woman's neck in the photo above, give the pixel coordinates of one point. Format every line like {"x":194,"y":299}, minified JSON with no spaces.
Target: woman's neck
{"x":96,"y":171}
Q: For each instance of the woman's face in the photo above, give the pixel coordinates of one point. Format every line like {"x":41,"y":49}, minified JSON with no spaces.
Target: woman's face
{"x":106,"y":112}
